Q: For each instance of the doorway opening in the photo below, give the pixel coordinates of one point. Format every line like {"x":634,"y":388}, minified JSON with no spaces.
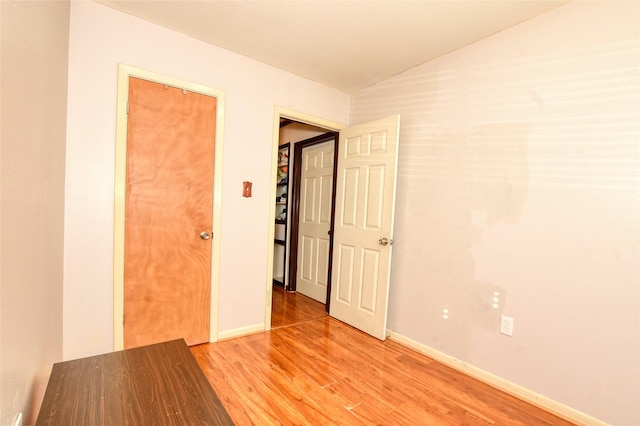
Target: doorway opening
{"x":362,"y":234}
{"x":290,"y":128}
{"x":313,"y":202}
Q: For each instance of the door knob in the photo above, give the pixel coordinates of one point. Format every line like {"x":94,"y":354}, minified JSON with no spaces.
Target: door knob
{"x":384,"y":241}
{"x":205,"y":235}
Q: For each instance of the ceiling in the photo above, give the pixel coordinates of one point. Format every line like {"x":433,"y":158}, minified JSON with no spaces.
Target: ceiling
{"x":349,"y":44}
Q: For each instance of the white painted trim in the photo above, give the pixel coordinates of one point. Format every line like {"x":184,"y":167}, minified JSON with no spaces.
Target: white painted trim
{"x":281,"y":112}
{"x":497,"y":382}
{"x":291,"y":114}
{"x":242,"y":331}
{"x":124,"y":72}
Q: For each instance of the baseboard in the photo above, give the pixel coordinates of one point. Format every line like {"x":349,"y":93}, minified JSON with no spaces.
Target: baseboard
{"x":239,"y":332}
{"x":497,"y":382}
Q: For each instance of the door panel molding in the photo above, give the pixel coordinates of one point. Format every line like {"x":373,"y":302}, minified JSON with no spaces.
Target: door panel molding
{"x":124,"y":72}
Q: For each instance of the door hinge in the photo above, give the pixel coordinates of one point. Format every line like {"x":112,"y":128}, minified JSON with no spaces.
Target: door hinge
{"x":127,"y":107}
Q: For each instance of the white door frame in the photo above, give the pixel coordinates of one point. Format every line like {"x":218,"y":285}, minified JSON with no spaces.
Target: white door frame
{"x":281,"y":112}
{"x":124,"y":72}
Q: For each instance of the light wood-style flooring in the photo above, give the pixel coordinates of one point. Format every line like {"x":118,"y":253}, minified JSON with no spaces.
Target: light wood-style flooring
{"x":293,"y":308}
{"x":314,"y":370}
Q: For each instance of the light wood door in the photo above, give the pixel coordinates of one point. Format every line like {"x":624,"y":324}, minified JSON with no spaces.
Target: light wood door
{"x":316,"y":189}
{"x":363,"y":229}
{"x":168,"y":204}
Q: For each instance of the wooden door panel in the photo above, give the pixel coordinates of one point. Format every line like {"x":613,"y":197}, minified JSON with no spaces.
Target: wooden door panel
{"x":343,"y":281}
{"x":326,"y":192}
{"x":308,"y":200}
{"x":365,"y":201}
{"x":348,"y":215}
{"x":306,"y":257}
{"x":168,"y":203}
{"x":370,"y":283}
{"x":374,"y":197}
{"x":315,"y":221}
{"x":322,"y":270}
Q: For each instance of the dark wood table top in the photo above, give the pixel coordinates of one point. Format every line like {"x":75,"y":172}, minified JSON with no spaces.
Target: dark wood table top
{"x":159,"y":384}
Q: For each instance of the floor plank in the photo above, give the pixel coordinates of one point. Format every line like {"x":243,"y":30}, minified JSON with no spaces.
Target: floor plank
{"x":321,"y":371}
{"x":293,"y":308}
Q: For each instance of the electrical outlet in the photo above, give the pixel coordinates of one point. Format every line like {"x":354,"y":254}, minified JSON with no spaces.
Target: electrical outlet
{"x":506,"y":326}
{"x":18,"y":421}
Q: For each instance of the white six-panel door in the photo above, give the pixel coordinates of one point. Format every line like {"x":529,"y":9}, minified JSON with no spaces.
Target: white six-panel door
{"x":315,"y":220}
{"x":363,"y":234}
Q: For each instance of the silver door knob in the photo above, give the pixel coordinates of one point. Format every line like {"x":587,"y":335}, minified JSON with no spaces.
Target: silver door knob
{"x":384,"y":241}
{"x":205,"y":235}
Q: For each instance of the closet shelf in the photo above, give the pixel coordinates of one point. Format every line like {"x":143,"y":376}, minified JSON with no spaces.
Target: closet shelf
{"x":281,"y":202}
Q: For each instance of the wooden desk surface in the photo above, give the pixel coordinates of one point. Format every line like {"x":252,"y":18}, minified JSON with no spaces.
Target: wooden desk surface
{"x":159,"y":384}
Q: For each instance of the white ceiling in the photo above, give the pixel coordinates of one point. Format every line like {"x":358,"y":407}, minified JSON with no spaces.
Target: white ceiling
{"x":347,"y":45}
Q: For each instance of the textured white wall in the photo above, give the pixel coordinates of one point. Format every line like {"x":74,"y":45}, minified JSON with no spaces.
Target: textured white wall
{"x":519,"y":187}
{"x":100,"y":38}
{"x":35,"y":42}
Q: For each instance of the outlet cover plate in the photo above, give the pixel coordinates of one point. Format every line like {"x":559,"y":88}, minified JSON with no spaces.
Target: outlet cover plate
{"x":506,"y":326}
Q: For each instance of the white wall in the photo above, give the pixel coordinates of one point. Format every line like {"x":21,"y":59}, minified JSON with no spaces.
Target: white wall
{"x":519,"y":180}
{"x":100,"y":38}
{"x":35,"y":40}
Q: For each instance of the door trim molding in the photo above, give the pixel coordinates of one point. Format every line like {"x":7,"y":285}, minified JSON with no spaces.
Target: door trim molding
{"x":124,"y":72}
{"x":281,"y":112}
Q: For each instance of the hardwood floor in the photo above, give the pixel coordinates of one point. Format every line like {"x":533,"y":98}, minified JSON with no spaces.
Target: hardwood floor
{"x":293,"y":308}
{"x":321,"y":371}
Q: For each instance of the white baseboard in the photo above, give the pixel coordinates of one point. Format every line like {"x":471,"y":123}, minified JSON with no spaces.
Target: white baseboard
{"x":497,"y":382}
{"x":239,"y":332}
